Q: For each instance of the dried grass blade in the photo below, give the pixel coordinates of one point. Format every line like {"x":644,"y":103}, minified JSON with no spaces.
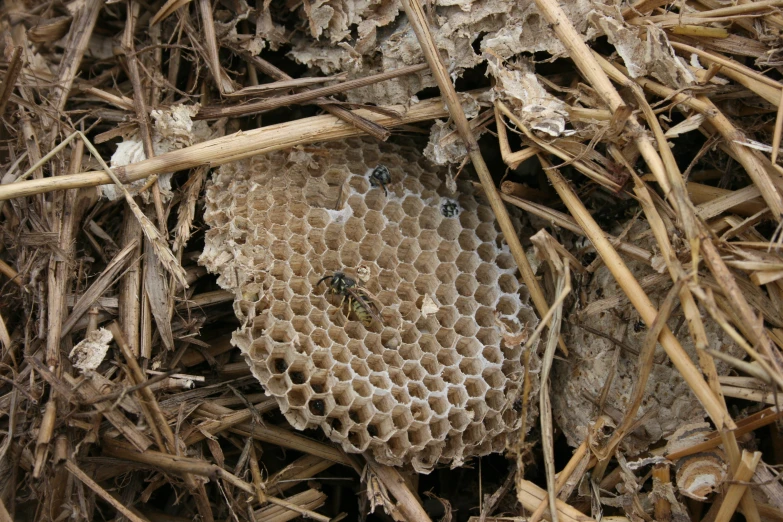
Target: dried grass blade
{"x":737,"y":490}
{"x":98,"y":287}
{"x":90,"y":483}
{"x":164,"y":255}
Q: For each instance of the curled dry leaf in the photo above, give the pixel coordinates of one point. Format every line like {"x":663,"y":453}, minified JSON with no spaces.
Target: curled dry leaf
{"x":700,"y":474}
{"x":90,"y":352}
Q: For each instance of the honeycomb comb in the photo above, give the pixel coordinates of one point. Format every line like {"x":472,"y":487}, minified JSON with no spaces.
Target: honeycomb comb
{"x":432,"y":382}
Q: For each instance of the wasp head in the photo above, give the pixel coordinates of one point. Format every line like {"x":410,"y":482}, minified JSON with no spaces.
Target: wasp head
{"x":380,"y":177}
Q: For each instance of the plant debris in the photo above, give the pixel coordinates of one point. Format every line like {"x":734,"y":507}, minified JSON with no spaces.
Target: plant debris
{"x":637,"y":140}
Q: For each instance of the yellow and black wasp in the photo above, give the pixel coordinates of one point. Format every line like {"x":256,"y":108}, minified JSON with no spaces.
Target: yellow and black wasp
{"x":359,"y":300}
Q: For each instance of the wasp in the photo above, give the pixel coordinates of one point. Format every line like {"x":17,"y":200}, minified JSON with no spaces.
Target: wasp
{"x":359,"y":300}
{"x":449,"y":208}
{"x":380,"y":177}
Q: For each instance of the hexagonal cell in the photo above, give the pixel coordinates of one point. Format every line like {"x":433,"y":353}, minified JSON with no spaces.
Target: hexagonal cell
{"x":447,"y":317}
{"x":449,"y":229}
{"x":361,"y":411}
{"x":356,"y":333}
{"x":447,"y":251}
{"x":360,"y":368}
{"x":408,"y":250}
{"x":474,"y":386}
{"x":409,"y":335}
{"x":282,"y":333}
{"x":342,"y":372}
{"x":474,"y":434}
{"x":430,"y":363}
{"x":413,"y":370}
{"x":401,"y":394}
{"x":357,"y":205}
{"x":374,"y":222}
{"x":280,"y":359}
{"x":381,"y":428}
{"x":417,"y":390}
{"x":397,"y":377}
{"x":440,"y":427}
{"x":478,"y":407}
{"x":446,"y":274}
{"x":320,"y":338}
{"x":419,"y":435}
{"x":487,"y":251}
{"x":349,"y":255}
{"x":398,"y":444}
{"x":470,"y":366}
{"x":426,"y":284}
{"x":260,"y":351}
{"x":468,"y":347}
{"x":469,"y":220}
{"x":485,"y":214}
{"x":457,"y":396}
{"x":381,"y":381}
{"x":429,"y":344}
{"x":278,"y":385}
{"x":337,"y":335}
{"x":376,"y":363}
{"x":322,"y":359}
{"x":495,"y":399}
{"x":299,"y":244}
{"x":317,"y":406}
{"x":392,"y":358}
{"x":505,"y":261}
{"x":393,"y":212}
{"x":458,"y":418}
{"x":299,"y":372}
{"x":300,"y":306}
{"x":412,"y":205}
{"x":434,"y":383}
{"x":488,"y":336}
{"x":466,"y":285}
{"x":375,"y":200}
{"x":510,"y":416}
{"x":359,"y":438}
{"x":487,"y":274}
{"x":429,"y":240}
{"x":486,"y":295}
{"x":281,"y":310}
{"x":426,"y":263}
{"x":370,"y":248}
{"x":298,"y":227}
{"x":492,"y":422}
{"x":492,"y":354}
{"x":341,"y":354}
{"x":507,"y":306}
{"x":353,"y":229}
{"x":299,"y":395}
{"x":300,"y":286}
{"x":334,"y":236}
{"x":485,"y":317}
{"x":281,"y":232}
{"x":391,"y":236}
{"x":339,"y":423}
{"x":281,"y":270}
{"x":412,"y":184}
{"x":429,"y":218}
{"x":486,"y":232}
{"x":446,"y":339}
{"x":281,"y":292}
{"x":343,"y":394}
{"x":453,"y":375}
{"x":468,"y":241}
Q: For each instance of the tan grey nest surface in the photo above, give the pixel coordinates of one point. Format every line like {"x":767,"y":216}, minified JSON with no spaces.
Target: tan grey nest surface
{"x":433,"y":381}
{"x":604,"y":339}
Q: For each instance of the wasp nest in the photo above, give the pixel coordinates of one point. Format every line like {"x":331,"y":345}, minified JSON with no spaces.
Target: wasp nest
{"x":605,"y":338}
{"x":430,"y":379}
